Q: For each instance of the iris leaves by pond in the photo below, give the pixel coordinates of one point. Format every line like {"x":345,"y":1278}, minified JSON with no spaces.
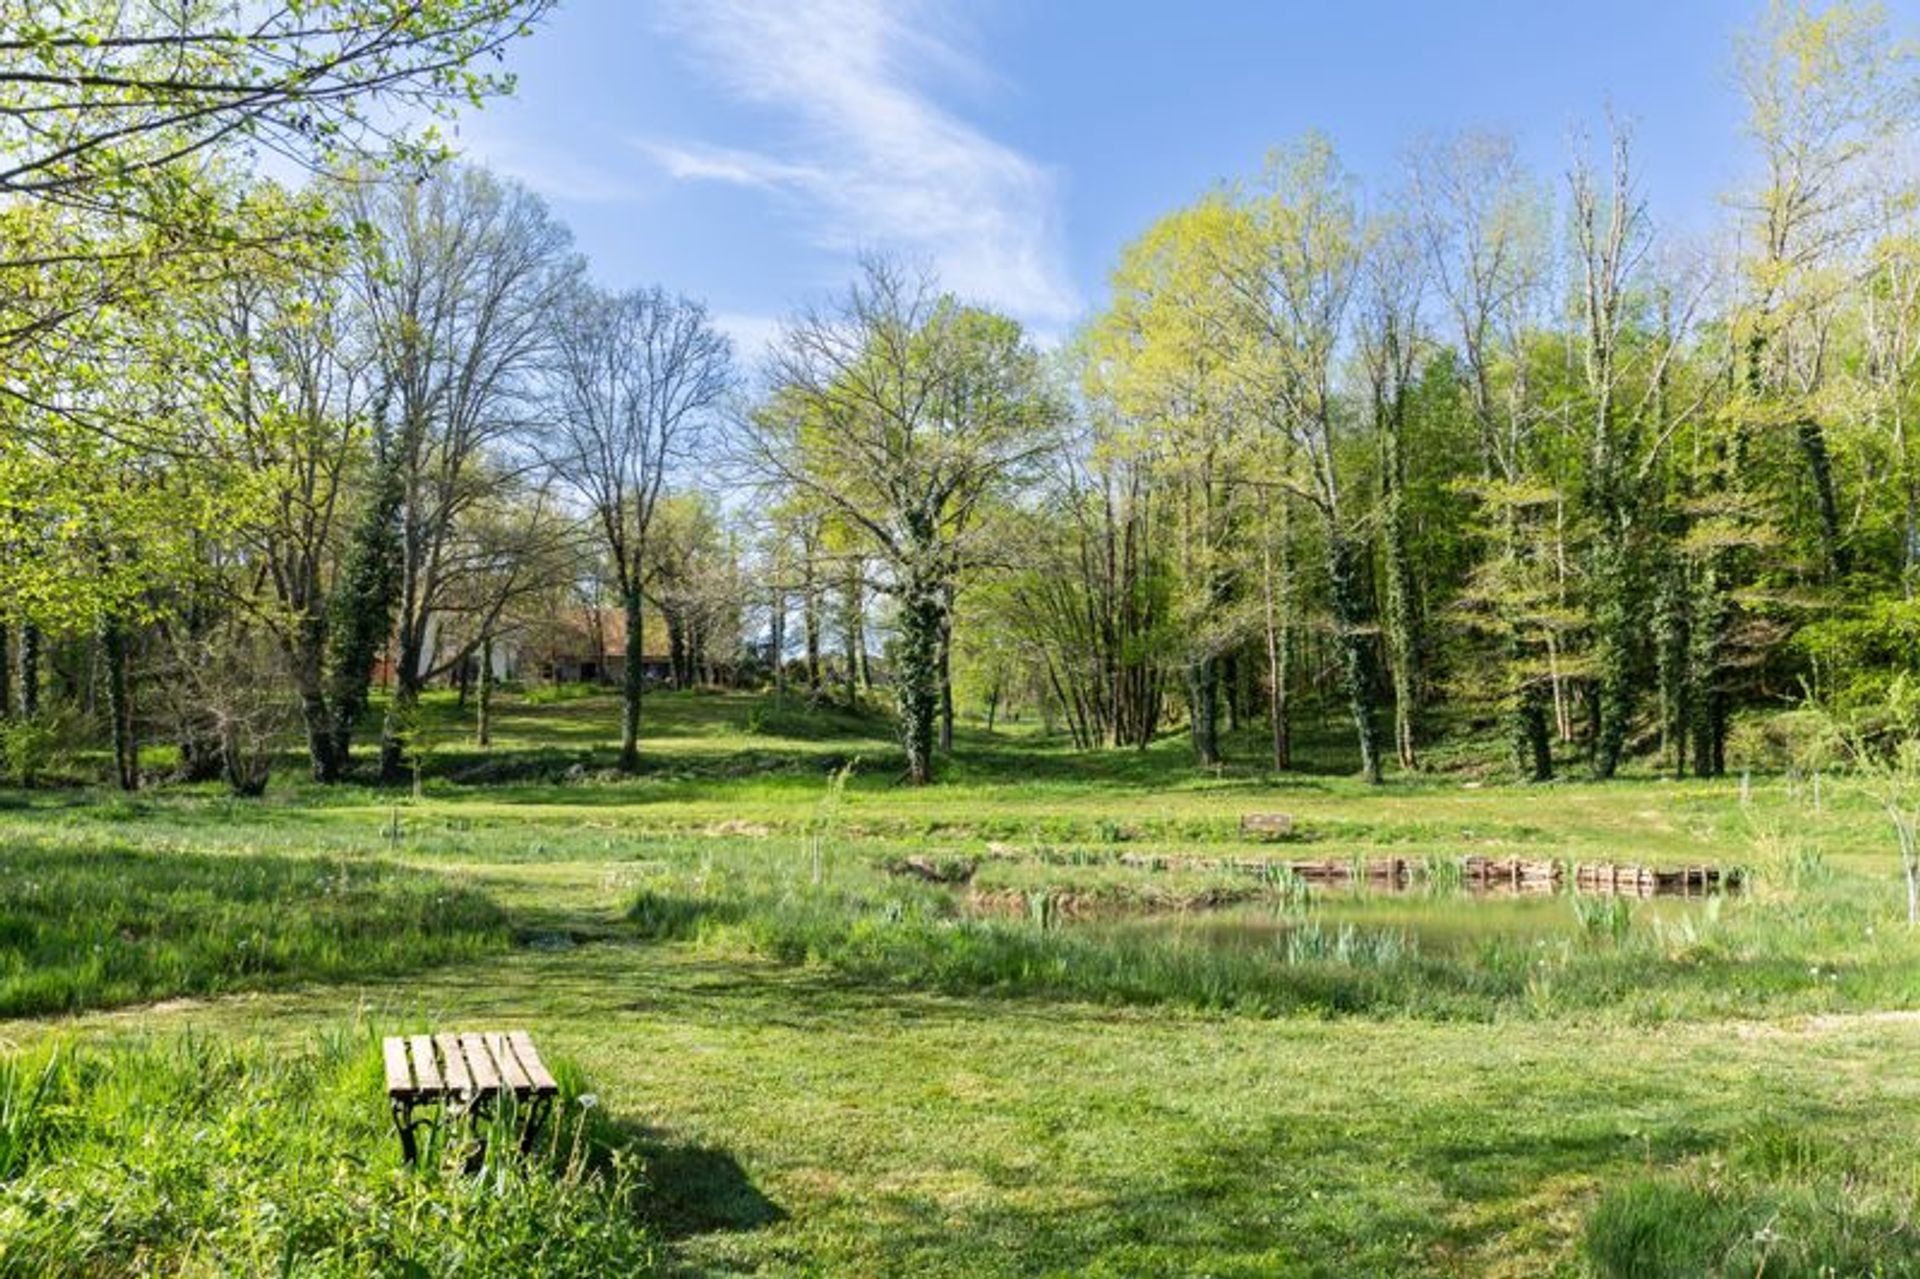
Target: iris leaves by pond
{"x":1441,"y":954}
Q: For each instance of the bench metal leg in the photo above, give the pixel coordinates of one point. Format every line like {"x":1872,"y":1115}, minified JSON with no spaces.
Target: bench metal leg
{"x":405,"y":1124}
{"x":537,"y":1110}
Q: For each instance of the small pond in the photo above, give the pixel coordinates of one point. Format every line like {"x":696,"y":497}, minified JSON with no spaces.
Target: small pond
{"x":1436,"y":923}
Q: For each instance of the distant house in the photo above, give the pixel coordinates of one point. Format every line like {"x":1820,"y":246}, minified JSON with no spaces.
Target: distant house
{"x":589,"y":646}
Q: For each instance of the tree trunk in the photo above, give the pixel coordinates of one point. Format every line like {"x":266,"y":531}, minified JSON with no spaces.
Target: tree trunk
{"x":1403,"y":608}
{"x":398,"y":727}
{"x":1813,"y":445}
{"x":946,"y":677}
{"x":777,"y":641}
{"x":126,"y":750}
{"x":483,"y":719}
{"x":632,"y":684}
{"x":810,"y":621}
{"x":1614,"y":632}
{"x":1348,"y":596}
{"x":917,"y":681}
{"x":1277,"y":586}
{"x":855,"y":605}
{"x":1671,"y":665}
{"x":1203,"y":709}
{"x":29,"y":670}
{"x":6,"y":673}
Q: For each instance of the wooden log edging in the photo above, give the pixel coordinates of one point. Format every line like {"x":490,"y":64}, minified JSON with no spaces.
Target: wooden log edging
{"x":1647,"y":881}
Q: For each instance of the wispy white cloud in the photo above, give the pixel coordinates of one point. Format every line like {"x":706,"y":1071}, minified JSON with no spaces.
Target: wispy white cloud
{"x":547,"y":170}
{"x":877,"y":159}
{"x":700,"y":162}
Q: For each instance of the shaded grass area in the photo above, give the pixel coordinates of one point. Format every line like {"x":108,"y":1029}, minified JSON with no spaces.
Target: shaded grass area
{"x":203,"y":1156}
{"x":96,"y":925}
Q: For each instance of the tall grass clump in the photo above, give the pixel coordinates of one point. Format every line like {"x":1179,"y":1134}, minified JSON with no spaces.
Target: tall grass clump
{"x":1671,"y":1226}
{"x":193,"y":1157}
{"x":1605,"y":918}
{"x":99,"y":925}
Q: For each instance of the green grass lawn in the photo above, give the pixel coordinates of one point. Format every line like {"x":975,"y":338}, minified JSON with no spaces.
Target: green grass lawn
{"x":802,"y":1062}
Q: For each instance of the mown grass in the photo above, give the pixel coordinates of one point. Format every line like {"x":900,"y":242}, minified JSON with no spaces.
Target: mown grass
{"x":824,"y":1066}
{"x":196,"y":1156}
{"x":95,"y":925}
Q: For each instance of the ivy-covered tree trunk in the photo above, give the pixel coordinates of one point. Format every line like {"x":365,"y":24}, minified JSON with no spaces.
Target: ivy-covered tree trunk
{"x":1707,"y":699}
{"x":632,"y":682}
{"x":126,"y":750}
{"x":361,"y":617}
{"x":1348,"y":594}
{"x":917,"y":686}
{"x":1203,"y":709}
{"x":1813,"y":446}
{"x":6,"y":673}
{"x":307,"y":659}
{"x":1531,"y":740}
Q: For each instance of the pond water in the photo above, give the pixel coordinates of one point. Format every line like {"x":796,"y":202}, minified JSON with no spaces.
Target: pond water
{"x":1436,"y":923}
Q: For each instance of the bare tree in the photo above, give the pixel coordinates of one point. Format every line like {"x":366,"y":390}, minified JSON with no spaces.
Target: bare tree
{"x":458,"y":291}
{"x":634,"y":382}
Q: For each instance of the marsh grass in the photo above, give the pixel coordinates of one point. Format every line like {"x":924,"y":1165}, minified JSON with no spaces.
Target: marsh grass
{"x":844,"y":912}
{"x":94,"y":925}
{"x":194,"y":1156}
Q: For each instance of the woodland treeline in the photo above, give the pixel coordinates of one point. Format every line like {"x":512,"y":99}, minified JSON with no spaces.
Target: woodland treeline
{"x":1476,"y":453}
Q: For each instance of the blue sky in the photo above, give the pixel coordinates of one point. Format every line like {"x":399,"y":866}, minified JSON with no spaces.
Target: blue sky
{"x":742,"y":151}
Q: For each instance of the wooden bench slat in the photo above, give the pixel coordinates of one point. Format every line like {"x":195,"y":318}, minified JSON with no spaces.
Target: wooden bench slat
{"x":425,"y":1069}
{"x":512,"y":1074}
{"x":399,"y":1077}
{"x":486,"y":1077}
{"x":455,"y":1062}
{"x":522,"y":1045}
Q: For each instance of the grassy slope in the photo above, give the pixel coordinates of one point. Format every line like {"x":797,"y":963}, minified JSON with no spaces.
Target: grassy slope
{"x":797,"y":1121}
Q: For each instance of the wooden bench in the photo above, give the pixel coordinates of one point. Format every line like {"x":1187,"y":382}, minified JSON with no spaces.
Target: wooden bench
{"x":465,"y":1074}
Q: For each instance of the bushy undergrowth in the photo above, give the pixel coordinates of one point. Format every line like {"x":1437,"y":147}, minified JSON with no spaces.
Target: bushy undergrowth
{"x":94,"y":926}
{"x":196,"y":1157}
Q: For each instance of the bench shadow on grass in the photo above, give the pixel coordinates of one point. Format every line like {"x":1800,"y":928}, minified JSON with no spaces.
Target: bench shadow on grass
{"x":694,"y":1189}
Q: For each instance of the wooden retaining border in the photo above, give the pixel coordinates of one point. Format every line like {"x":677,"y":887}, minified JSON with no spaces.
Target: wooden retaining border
{"x":1645,"y":881}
